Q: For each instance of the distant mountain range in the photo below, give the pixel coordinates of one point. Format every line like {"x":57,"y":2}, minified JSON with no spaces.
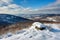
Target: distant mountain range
{"x":37,"y":15}
{"x":7,"y":19}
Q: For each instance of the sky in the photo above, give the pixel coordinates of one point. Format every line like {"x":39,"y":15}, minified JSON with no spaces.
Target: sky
{"x":28,"y":6}
{"x":33,"y":3}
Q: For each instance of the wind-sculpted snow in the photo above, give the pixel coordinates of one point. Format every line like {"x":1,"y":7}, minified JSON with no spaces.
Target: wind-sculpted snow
{"x":33,"y":34}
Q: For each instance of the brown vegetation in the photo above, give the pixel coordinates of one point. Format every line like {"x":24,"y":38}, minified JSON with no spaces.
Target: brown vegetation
{"x":15,"y":27}
{"x":21,"y":25}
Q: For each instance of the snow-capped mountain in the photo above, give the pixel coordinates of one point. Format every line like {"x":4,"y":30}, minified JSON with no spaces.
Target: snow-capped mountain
{"x":33,"y":34}
{"x":6,"y":19}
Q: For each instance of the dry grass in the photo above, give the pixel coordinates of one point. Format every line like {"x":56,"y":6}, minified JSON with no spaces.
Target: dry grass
{"x":21,"y":25}
{"x":15,"y":27}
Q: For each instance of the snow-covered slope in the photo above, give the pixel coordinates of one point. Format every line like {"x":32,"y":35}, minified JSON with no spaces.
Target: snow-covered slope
{"x":33,"y":34}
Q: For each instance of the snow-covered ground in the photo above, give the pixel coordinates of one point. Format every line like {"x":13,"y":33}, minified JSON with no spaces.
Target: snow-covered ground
{"x":52,"y":32}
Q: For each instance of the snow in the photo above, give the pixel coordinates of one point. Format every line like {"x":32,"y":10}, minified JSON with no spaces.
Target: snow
{"x":34,"y":34}
{"x":38,"y":24}
{"x":55,"y":26}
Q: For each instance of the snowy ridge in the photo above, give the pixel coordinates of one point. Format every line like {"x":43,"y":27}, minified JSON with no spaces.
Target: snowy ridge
{"x":33,"y":34}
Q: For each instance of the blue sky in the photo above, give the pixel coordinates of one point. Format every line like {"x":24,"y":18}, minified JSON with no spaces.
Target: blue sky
{"x":33,"y":3}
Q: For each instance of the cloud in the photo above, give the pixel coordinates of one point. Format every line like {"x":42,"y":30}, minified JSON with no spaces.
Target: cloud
{"x":5,"y":2}
{"x":57,"y":2}
{"x":53,"y":8}
{"x":13,"y":9}
{"x":6,"y":7}
{"x":10,"y":9}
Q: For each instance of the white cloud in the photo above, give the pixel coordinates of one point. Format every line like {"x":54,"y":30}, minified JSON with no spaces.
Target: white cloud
{"x":50,"y":8}
{"x":10,"y":9}
{"x":16,"y":9}
{"x":5,"y":2}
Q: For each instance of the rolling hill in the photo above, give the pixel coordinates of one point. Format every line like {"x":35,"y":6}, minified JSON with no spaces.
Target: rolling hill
{"x":7,"y":19}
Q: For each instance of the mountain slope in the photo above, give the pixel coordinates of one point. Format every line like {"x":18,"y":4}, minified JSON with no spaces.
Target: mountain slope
{"x":6,"y":19}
